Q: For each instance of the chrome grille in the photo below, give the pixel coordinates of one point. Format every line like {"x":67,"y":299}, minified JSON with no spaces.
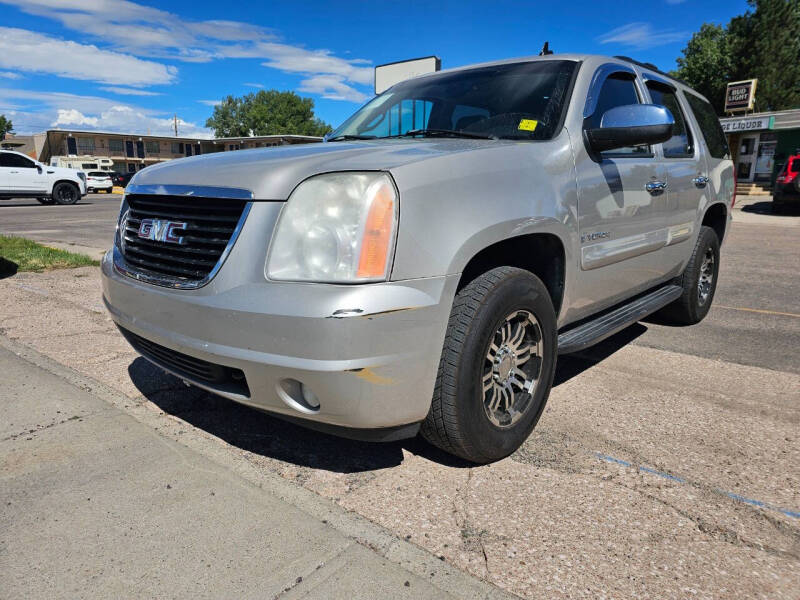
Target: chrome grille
{"x":211,"y":225}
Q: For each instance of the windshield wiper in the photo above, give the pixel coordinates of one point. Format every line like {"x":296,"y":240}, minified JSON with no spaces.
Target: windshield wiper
{"x":348,"y":136}
{"x":447,"y":133}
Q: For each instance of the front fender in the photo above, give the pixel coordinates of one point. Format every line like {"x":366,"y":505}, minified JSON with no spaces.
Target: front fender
{"x":454,"y":206}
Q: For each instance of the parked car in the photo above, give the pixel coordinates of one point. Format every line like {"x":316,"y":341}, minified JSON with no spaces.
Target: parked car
{"x":23,"y":177}
{"x":423,"y":268}
{"x":122,"y":179}
{"x":98,"y":181}
{"x":787,"y":185}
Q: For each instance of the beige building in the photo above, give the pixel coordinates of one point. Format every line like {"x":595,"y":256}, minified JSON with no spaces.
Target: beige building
{"x":132,"y":152}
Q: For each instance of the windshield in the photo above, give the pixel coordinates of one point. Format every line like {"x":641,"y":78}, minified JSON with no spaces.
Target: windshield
{"x":521,"y":101}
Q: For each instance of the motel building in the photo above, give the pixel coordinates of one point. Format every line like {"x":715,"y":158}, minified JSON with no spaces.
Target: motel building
{"x":127,"y":153}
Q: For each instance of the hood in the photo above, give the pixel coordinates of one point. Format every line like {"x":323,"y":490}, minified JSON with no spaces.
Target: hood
{"x":272,"y":173}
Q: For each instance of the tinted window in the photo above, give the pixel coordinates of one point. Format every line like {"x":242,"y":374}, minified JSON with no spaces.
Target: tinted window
{"x":617,"y":90}
{"x":680,"y":144}
{"x":515,"y":101}
{"x":709,"y":124}
{"x":99,"y":173}
{"x":7,"y":159}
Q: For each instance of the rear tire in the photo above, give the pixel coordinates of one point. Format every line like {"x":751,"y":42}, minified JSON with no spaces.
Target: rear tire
{"x":698,"y":280}
{"x":66,"y":193}
{"x":496,"y":367}
{"x":46,"y":201}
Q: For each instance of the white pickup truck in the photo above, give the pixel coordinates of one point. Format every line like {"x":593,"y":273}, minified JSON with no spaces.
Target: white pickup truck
{"x":23,"y":177}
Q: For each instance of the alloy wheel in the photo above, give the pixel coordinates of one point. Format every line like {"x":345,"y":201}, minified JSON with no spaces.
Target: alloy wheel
{"x":512,"y":368}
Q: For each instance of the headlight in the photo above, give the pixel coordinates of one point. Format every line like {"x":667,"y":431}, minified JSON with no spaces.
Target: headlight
{"x":338,"y":228}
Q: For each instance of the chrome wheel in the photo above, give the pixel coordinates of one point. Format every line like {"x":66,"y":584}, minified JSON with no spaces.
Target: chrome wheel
{"x":512,"y":368}
{"x":706,"y":280}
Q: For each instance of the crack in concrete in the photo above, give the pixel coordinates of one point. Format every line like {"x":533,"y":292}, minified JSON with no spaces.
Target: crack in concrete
{"x":40,"y":428}
{"x":717,"y":532}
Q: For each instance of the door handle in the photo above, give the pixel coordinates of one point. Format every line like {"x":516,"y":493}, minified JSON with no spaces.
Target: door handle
{"x":700,"y":181}
{"x":655,"y":187}
{"x":13,"y":171}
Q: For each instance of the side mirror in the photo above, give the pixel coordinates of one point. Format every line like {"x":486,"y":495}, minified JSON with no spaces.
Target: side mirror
{"x":39,"y":168}
{"x":631,"y":125}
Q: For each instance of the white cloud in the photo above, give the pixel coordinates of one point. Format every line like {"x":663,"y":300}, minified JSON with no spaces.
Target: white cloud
{"x":10,"y":75}
{"x":128,"y":91}
{"x":29,"y":51}
{"x":331,"y":87}
{"x":255,"y":85}
{"x":210,"y":102}
{"x":127,"y":119}
{"x":641,"y":36}
{"x":57,"y":109}
{"x":145,"y":31}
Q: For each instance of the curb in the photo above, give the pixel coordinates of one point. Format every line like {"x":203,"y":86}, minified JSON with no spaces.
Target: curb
{"x":361,"y":530}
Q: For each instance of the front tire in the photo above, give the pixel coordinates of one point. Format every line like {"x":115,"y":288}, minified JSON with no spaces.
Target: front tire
{"x":66,"y":193}
{"x":496,"y":367}
{"x":698,"y":280}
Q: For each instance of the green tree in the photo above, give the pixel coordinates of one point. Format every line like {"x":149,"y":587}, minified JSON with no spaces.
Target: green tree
{"x":267,"y":112}
{"x":775,"y":56}
{"x":5,"y":127}
{"x":706,"y":63}
{"x":763,"y":43}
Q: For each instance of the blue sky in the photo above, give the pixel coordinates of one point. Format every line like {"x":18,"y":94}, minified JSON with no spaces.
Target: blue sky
{"x":128,"y":66}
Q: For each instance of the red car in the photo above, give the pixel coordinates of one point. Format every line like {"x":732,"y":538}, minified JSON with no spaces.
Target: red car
{"x":787,"y":185}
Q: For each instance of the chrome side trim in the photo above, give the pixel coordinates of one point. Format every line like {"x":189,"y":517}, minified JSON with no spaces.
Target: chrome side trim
{"x":599,"y":77}
{"x":607,"y":253}
{"x":171,"y":282}
{"x":678,"y":233}
{"x":201,"y":191}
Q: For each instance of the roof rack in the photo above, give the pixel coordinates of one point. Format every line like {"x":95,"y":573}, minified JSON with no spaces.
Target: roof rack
{"x":651,"y":67}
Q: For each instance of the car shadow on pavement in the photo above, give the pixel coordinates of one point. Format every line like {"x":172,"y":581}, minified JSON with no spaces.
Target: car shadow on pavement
{"x":8,"y":268}
{"x":765,"y":208}
{"x":263,"y":434}
{"x":572,"y":365}
{"x":258,"y":432}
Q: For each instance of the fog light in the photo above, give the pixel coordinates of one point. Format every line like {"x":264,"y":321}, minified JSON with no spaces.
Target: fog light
{"x":298,"y":395}
{"x":309,"y":396}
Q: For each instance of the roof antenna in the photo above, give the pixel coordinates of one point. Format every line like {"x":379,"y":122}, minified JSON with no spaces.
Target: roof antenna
{"x":545,"y":51}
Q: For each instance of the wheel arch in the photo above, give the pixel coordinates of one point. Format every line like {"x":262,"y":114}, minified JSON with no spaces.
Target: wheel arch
{"x":716,"y":217}
{"x":69,"y":181}
{"x":543,"y":253}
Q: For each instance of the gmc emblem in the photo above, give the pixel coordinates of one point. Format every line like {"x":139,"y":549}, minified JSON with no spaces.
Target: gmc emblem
{"x":160,"y":230}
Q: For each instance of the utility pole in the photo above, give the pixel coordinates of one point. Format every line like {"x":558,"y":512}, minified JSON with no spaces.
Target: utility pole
{"x":175,"y":124}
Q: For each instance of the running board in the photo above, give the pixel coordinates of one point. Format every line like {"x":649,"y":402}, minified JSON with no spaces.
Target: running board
{"x":607,"y":324}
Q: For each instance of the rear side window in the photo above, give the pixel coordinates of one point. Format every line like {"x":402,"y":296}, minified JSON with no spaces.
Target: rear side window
{"x":617,"y":90}
{"x":8,"y":159}
{"x":680,"y":144}
{"x":709,"y":125}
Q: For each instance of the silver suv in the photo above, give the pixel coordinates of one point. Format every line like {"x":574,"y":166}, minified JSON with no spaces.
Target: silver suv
{"x":422,"y":268}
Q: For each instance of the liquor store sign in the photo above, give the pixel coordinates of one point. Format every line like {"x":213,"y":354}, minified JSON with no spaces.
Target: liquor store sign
{"x":746,"y":124}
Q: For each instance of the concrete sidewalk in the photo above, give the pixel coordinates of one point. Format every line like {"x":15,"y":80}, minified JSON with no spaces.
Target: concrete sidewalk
{"x":94,"y":503}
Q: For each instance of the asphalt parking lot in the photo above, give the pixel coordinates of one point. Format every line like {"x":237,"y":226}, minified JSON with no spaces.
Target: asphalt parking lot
{"x":665,"y":465}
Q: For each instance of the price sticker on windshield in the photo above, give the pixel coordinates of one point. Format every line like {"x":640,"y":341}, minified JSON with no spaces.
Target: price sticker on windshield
{"x":528,"y":125}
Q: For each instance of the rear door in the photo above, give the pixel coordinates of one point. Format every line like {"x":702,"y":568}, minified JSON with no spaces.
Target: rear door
{"x":687,"y":175}
{"x":719,"y":166}
{"x":621,"y":223}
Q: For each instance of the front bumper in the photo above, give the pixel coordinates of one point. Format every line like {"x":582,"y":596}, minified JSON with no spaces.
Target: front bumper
{"x":368,"y":352}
